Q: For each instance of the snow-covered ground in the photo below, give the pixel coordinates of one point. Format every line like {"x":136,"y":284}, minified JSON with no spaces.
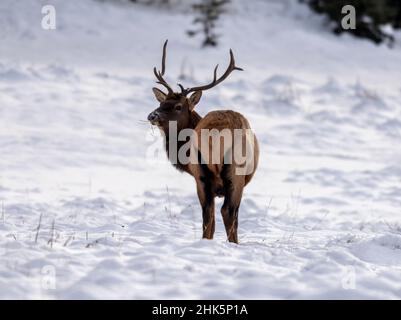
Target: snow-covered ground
{"x":87,"y":212}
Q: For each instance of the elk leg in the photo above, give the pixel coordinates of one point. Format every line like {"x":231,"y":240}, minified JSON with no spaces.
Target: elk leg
{"x":206,"y":200}
{"x":233,"y":193}
{"x":229,"y":211}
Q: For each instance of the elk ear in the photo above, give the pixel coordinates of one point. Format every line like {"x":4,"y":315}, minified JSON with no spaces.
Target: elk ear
{"x":160,"y":95}
{"x":195,"y":97}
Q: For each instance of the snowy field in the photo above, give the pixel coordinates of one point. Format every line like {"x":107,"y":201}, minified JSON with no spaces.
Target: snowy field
{"x":87,"y":212}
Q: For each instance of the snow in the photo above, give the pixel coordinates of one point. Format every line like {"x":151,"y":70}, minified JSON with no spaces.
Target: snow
{"x":86,"y":211}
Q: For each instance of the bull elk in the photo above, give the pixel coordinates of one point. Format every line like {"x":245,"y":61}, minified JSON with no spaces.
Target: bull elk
{"x":213,"y":178}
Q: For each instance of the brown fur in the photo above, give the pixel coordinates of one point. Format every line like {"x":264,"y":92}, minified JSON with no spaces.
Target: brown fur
{"x":211,"y":179}
{"x":216,"y":179}
{"x":221,"y":178}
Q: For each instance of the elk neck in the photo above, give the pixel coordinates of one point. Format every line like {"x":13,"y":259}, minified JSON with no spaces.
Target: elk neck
{"x":193,"y":122}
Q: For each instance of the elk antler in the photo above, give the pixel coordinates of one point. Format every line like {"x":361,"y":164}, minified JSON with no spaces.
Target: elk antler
{"x":159,"y":74}
{"x":231,"y":67}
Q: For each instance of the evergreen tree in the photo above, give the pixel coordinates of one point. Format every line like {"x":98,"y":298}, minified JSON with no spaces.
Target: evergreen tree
{"x":208,"y":12}
{"x":371,"y":15}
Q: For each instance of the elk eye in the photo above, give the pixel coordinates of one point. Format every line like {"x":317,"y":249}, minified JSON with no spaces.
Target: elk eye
{"x":178,"y":107}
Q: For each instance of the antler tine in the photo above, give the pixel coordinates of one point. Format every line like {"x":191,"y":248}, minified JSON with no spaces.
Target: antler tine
{"x":164,"y":57}
{"x":159,"y":74}
{"x":181,"y":87}
{"x":231,"y":67}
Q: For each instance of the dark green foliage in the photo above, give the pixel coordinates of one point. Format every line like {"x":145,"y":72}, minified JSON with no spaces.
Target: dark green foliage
{"x":371,"y":15}
{"x":207,"y":14}
{"x":152,"y":2}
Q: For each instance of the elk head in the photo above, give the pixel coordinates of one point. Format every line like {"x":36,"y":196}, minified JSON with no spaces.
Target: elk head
{"x":177,"y":106}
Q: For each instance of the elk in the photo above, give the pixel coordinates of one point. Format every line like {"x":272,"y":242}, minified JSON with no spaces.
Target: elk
{"x":213,"y":179}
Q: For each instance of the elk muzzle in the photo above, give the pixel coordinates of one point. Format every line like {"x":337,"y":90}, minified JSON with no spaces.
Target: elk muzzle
{"x":154,"y":117}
